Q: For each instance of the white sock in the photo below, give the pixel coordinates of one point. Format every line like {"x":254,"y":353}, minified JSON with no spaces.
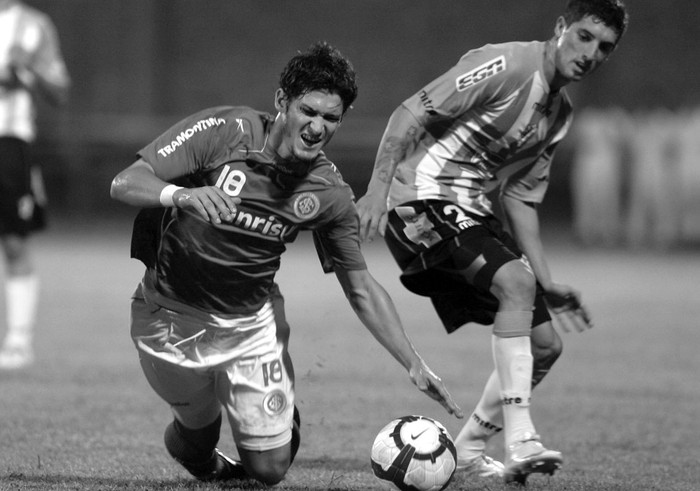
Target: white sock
{"x":484,"y":422}
{"x":513,"y":360}
{"x":21,"y":299}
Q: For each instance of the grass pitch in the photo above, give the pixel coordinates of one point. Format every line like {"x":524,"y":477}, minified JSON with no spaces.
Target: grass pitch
{"x":621,"y":403}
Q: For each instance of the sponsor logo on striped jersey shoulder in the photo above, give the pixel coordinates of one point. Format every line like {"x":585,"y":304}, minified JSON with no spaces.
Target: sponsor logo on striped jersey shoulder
{"x":306,"y":205}
{"x":481,"y":73}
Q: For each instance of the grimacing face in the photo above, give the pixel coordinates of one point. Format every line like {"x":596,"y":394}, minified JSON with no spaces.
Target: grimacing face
{"x":582,"y":47}
{"x":310,"y":121}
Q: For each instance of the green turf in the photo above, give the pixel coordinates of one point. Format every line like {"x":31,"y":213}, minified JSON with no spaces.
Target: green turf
{"x":621,"y":404}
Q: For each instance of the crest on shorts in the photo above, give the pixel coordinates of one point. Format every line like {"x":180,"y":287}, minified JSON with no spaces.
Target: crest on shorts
{"x":275,"y":402}
{"x":306,"y":205}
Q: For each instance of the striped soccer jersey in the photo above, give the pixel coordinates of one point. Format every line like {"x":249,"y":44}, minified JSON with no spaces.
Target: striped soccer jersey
{"x":25,"y":29}
{"x":491,"y":121}
{"x":229,"y":268}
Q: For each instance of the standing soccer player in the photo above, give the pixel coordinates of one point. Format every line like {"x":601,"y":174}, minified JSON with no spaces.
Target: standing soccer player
{"x":491,"y":122}
{"x":31,"y":65}
{"x":223,"y":192}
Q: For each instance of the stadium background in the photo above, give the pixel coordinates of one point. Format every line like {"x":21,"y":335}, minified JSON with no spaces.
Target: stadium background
{"x":622,"y":403}
{"x":140,"y":65}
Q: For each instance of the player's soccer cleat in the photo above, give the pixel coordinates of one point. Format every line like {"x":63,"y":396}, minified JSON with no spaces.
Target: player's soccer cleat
{"x":217,"y":468}
{"x":213,"y":467}
{"x":529,"y":456}
{"x":481,"y":466}
{"x":226,"y":468}
{"x":16,"y":357}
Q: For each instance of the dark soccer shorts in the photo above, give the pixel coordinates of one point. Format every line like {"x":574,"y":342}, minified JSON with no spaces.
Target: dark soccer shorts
{"x":22,"y":198}
{"x":456,"y":273}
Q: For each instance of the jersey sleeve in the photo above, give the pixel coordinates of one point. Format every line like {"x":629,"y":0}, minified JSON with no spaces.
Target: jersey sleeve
{"x":338,"y":240}
{"x":481,"y":76}
{"x":192,"y":144}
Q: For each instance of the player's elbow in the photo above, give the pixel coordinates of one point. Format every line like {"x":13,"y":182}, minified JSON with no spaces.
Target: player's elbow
{"x":118,"y":188}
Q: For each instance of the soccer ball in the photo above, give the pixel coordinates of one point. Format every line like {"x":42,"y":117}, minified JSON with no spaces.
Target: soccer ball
{"x":414,"y":453}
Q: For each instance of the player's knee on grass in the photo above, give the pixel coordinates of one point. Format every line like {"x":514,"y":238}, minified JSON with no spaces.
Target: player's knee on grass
{"x":269,"y":466}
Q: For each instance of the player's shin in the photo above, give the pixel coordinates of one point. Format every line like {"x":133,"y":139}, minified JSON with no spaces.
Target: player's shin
{"x":21,"y":296}
{"x":513,"y":359}
{"x":484,"y":422}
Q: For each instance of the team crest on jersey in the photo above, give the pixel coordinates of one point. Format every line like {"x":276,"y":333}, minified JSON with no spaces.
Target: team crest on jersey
{"x":275,"y":402}
{"x":481,"y":73}
{"x":306,"y":206}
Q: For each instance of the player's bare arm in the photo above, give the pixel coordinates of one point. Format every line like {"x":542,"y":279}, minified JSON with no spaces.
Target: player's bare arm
{"x":400,"y":137}
{"x":138,"y":185}
{"x":563,"y":300}
{"x":376,"y":310}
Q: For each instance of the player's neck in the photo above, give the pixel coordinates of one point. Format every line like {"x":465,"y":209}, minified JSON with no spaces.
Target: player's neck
{"x":281,"y":157}
{"x":552,"y":76}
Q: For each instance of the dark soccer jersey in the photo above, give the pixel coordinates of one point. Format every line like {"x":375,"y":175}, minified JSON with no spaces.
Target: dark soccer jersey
{"x":229,"y":268}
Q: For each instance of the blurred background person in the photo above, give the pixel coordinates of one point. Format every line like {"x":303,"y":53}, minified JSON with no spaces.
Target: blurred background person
{"x":596,"y":175}
{"x":653,"y":215}
{"x":689,"y":174}
{"x":31,"y":65}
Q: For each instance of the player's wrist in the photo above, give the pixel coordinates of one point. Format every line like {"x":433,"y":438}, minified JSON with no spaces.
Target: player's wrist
{"x":167,"y":198}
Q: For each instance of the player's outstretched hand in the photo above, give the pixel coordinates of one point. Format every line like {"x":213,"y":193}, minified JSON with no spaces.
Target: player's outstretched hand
{"x":210,"y":202}
{"x":372,"y":211}
{"x":569,"y":313}
{"x":424,"y":378}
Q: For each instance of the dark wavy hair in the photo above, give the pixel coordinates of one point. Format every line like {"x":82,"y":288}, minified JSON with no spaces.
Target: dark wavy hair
{"x":320,"y":67}
{"x":612,"y":13}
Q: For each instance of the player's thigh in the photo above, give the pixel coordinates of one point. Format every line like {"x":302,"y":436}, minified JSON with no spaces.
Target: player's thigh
{"x":190,"y":393}
{"x":482,"y":259}
{"x":258,"y":396}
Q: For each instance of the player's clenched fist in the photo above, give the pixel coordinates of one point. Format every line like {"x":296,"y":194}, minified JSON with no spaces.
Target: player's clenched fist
{"x":210,"y":202}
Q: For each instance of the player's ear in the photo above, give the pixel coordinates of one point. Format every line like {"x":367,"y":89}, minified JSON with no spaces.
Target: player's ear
{"x":559,"y":27}
{"x":281,"y":101}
